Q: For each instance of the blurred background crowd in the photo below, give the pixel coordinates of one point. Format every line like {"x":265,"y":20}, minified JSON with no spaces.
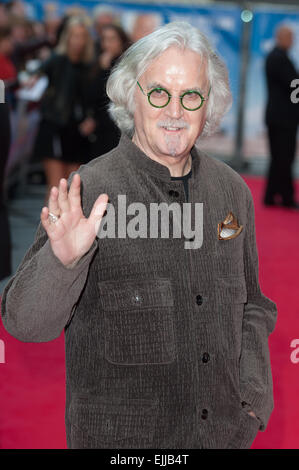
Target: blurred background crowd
{"x":60,"y":65}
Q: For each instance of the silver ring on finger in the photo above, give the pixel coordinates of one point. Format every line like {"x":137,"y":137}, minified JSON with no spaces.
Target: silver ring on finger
{"x":53,"y":218}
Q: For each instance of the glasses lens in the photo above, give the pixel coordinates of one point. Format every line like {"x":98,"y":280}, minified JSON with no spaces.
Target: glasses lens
{"x":158,"y":97}
{"x":192,"y":100}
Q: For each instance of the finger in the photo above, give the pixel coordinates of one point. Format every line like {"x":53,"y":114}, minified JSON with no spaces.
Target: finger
{"x":98,"y":211}
{"x":63,"y":200}
{"x":53,"y":201}
{"x":44,"y":216}
{"x":74,"y":192}
{"x":99,"y":207}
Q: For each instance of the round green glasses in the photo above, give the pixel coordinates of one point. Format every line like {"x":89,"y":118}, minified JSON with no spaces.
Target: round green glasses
{"x":159,"y":97}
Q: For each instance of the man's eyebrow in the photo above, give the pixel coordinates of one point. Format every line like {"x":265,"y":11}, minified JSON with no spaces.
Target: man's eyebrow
{"x":152,"y":85}
{"x":195,"y":88}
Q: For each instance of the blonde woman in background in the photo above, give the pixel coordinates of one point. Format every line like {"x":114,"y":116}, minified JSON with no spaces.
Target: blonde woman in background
{"x":66,"y":112}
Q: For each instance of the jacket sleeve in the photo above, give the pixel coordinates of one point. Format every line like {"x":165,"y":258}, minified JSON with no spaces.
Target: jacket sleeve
{"x":38,"y":301}
{"x":259,"y":319}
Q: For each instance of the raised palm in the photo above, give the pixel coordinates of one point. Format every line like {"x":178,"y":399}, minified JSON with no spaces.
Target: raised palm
{"x":73,"y":233}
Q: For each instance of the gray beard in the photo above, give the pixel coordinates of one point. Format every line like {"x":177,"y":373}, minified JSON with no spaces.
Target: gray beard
{"x":172,"y":143}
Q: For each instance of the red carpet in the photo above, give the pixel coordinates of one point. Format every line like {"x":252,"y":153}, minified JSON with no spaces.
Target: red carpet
{"x":32,"y":394}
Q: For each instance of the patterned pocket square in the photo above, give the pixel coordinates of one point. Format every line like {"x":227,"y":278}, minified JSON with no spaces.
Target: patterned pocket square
{"x":229,"y":228}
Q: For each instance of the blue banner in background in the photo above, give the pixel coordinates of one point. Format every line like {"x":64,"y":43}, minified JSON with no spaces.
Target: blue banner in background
{"x":264,"y":25}
{"x":221,"y":24}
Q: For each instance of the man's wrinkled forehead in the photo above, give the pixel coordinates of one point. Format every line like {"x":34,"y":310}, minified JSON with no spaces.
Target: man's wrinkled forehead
{"x":168,"y":65}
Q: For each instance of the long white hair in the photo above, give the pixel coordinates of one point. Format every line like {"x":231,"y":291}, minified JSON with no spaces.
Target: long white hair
{"x":135,"y":60}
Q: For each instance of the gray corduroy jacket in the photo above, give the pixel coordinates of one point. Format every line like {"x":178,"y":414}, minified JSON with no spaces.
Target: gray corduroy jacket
{"x":163,"y":344}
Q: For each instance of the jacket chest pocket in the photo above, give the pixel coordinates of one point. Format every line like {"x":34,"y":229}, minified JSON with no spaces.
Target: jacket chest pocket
{"x":138,"y":321}
{"x":230,"y":262}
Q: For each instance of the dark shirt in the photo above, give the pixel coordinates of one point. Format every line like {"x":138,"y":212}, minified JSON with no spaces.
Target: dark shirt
{"x":185,"y":181}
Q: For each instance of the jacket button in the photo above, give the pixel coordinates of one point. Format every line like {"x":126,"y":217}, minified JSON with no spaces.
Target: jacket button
{"x":205,"y":357}
{"x":199,"y":299}
{"x":191,"y":239}
{"x":137,"y":298}
{"x":173,"y":193}
{"x":204,"y":414}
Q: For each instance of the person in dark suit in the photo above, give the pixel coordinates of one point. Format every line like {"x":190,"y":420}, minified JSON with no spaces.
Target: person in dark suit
{"x":5,"y":240}
{"x":281,"y":117}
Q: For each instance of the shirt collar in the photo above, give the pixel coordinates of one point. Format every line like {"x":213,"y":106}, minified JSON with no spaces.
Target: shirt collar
{"x":130,"y":151}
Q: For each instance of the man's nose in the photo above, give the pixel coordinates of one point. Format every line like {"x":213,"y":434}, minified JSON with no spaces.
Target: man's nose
{"x":174,"y":108}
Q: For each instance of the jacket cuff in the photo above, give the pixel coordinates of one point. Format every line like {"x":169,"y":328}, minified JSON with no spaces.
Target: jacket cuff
{"x":262,"y":408}
{"x":48,"y":261}
{"x":246,"y":432}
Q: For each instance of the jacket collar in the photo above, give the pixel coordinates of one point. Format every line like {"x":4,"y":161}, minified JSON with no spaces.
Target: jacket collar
{"x":130,"y":151}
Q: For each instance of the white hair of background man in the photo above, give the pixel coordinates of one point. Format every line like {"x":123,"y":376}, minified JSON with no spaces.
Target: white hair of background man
{"x":104,"y":10}
{"x":135,"y":60}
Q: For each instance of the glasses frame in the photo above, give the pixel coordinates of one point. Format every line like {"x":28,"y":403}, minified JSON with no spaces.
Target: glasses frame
{"x":203,"y":99}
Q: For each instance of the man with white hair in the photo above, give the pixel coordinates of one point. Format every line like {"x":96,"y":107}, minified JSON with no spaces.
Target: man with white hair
{"x":166,"y":336}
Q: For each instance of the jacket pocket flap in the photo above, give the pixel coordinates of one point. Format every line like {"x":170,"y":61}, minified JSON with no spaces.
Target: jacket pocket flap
{"x":133,"y":294}
{"x":113,"y":419}
{"x":231,"y":290}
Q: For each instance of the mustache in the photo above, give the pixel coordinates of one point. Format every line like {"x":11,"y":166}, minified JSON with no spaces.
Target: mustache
{"x":179,"y":124}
